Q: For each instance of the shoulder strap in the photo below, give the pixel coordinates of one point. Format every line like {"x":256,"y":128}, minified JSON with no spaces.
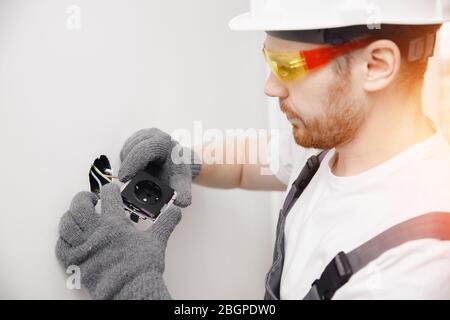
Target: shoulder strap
{"x":273,"y":277}
{"x":302,"y":181}
{"x":435,"y":225}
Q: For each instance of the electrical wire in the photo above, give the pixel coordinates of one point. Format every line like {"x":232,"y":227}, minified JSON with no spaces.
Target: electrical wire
{"x":96,"y":179}
{"x":106,"y":177}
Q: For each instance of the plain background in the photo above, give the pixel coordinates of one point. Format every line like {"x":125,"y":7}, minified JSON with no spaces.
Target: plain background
{"x":68,"y":95}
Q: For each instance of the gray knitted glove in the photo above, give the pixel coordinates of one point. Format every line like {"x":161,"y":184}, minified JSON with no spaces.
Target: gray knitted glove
{"x":116,"y":260}
{"x":155,"y":147}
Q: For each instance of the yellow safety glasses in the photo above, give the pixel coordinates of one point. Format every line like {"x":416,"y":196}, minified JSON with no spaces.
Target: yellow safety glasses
{"x":288,"y":66}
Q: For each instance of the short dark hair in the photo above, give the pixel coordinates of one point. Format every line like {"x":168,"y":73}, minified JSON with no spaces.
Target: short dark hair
{"x":412,"y":72}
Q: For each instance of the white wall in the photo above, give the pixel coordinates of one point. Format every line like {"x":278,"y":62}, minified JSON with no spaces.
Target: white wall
{"x":67,"y":96}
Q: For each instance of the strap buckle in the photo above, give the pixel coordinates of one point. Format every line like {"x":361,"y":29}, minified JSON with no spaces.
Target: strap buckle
{"x":336,"y":274}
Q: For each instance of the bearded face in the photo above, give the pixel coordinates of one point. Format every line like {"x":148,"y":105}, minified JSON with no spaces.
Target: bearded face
{"x":341,"y":115}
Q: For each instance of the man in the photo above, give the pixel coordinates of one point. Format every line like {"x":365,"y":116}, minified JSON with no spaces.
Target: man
{"x":349,"y":88}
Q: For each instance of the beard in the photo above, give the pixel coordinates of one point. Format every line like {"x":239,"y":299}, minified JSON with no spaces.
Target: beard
{"x":338,"y":125}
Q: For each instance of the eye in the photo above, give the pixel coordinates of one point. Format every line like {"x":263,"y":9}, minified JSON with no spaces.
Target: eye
{"x":284,"y":71}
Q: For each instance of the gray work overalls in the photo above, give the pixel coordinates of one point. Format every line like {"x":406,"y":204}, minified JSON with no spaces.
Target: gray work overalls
{"x":431,"y":225}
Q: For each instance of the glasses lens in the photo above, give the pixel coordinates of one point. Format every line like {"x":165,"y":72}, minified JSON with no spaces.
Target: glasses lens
{"x":286,"y":66}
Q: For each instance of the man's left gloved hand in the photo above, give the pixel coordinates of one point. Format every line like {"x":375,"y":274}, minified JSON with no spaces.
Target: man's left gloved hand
{"x":116,"y":260}
{"x":170,"y":162}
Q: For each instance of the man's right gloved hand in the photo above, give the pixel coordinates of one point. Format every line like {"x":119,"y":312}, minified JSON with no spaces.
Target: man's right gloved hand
{"x":116,"y":261}
{"x":155,"y":147}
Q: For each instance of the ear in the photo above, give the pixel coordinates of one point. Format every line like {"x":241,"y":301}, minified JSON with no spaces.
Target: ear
{"x":382,"y":65}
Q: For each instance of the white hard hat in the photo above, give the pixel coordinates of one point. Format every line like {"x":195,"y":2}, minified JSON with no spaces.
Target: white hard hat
{"x":278,"y":15}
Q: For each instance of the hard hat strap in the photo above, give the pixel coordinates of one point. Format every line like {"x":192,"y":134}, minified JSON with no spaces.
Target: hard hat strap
{"x":415,"y":42}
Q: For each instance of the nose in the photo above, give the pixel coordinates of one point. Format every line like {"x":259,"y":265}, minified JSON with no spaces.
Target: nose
{"x":275,"y":88}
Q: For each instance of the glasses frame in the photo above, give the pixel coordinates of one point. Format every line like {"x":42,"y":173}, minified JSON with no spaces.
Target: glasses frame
{"x":306,"y":60}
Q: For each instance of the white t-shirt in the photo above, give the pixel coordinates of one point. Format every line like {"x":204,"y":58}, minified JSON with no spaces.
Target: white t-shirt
{"x":340,"y":213}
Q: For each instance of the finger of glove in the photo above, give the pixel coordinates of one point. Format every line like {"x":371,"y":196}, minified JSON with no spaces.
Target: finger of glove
{"x":152,"y":150}
{"x":166,"y":223}
{"x":181,"y":182}
{"x":70,"y":231}
{"x":82,"y":209}
{"x":70,"y":255}
{"x":137,"y":138}
{"x":112,"y":204}
{"x":180,"y":173}
{"x":63,"y":252}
